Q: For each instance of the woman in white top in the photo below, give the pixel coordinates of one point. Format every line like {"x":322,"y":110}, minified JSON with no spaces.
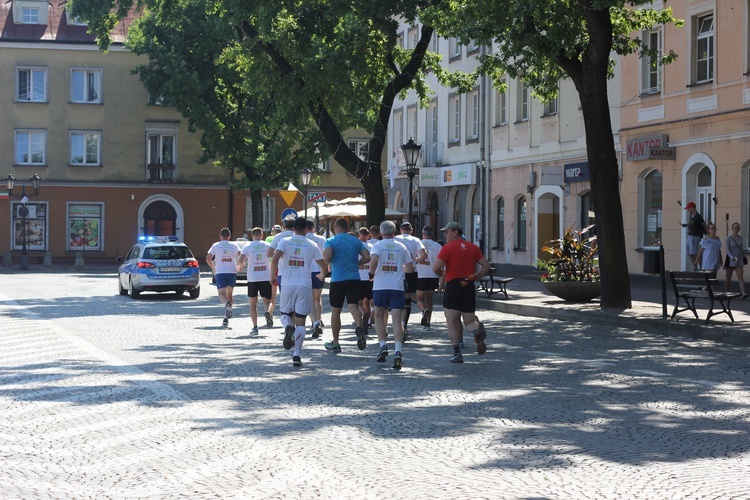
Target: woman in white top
{"x":735,"y":259}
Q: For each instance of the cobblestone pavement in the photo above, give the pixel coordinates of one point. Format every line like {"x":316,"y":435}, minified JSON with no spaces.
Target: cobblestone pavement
{"x":102,"y":396}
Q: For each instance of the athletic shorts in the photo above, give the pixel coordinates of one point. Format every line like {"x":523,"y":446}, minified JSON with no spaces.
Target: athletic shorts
{"x":392,"y":299}
{"x":316,"y":283}
{"x":259,"y":287}
{"x":427,"y":284}
{"x":296,"y":299}
{"x":411,"y":282}
{"x":460,"y":298}
{"x":365,"y":289}
{"x":339,"y":290}
{"x":693,"y":244}
{"x":224,"y":280}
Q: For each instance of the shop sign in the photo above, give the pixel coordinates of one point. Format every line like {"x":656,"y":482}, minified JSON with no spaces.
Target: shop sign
{"x":454,"y":175}
{"x":638,"y":149}
{"x":576,"y":172}
{"x":551,"y":176}
{"x":655,"y":153}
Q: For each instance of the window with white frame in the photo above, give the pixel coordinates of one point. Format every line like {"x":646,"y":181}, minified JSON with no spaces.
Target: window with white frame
{"x":650,"y":67}
{"x":551,"y":106}
{"x":361,"y":148}
{"x":413,"y":37}
{"x":434,"y":44}
{"x":454,"y":48}
{"x":398,"y":130}
{"x":85,"y":85}
{"x":85,"y":148}
{"x":30,"y":15}
{"x":472,"y":118}
{"x":524,"y":103}
{"x":472,"y":47}
{"x":31,"y":84}
{"x":73,"y":20}
{"x":501,"y":108}
{"x":325,"y":166}
{"x":161,"y":149}
{"x":31,"y":147}
{"x":704,"y":49}
{"x":400,"y":39}
{"x":30,"y":11}
{"x":411,"y":122}
{"x":432,"y":122}
{"x":454,"y":119}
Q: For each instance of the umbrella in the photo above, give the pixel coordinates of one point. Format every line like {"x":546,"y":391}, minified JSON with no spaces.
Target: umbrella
{"x":351,"y":207}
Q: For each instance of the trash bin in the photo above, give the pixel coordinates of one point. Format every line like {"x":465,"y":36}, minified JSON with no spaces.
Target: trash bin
{"x":651,"y":262}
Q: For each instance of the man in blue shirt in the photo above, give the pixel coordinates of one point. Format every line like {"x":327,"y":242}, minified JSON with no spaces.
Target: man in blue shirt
{"x":342,"y":253}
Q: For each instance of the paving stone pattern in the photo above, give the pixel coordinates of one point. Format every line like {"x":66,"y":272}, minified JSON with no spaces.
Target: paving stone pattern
{"x":105,"y":397}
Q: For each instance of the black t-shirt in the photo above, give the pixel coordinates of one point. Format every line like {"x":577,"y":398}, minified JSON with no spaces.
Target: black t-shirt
{"x":696,"y":225}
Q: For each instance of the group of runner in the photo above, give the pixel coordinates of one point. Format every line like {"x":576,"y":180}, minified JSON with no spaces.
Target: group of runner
{"x":376,"y":272}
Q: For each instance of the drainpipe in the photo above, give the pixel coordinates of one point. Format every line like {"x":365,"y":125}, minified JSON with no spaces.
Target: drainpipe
{"x":484,"y":153}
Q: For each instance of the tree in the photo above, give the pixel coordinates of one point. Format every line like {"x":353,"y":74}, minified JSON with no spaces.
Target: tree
{"x":542,"y":41}
{"x":338,"y":61}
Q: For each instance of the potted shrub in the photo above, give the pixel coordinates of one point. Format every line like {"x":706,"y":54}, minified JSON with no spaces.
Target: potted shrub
{"x":572,"y":272}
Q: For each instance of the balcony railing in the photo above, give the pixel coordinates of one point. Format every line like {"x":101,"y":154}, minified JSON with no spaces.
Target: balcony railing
{"x":161,"y":173}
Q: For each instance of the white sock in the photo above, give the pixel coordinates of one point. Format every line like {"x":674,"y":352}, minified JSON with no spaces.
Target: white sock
{"x":399,"y":346}
{"x":382,"y":343}
{"x":286,"y":320}
{"x":299,"y":338}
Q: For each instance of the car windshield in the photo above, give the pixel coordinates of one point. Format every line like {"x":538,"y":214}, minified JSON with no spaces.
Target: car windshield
{"x":167,"y":252}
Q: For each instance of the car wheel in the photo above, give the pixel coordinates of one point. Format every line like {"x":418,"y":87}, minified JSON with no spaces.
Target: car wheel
{"x":195,"y":293}
{"x":132,"y":291}
{"x":123,"y":291}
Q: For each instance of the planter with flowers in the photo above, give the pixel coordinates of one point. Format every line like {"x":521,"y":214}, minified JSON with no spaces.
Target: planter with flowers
{"x":571,"y":272}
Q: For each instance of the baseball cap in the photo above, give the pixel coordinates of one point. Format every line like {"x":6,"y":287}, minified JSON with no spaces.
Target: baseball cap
{"x":276,"y":227}
{"x":690,"y":205}
{"x":453,"y":225}
{"x":406,"y":225}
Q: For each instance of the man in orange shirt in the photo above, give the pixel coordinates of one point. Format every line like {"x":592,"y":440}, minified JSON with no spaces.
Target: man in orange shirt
{"x":458,"y":259}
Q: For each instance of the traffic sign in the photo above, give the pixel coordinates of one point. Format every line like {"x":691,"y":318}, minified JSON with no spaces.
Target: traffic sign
{"x":317,"y":197}
{"x":287,"y":212}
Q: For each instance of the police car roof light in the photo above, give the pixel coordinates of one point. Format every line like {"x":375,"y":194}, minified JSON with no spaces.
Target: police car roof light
{"x":158,"y":239}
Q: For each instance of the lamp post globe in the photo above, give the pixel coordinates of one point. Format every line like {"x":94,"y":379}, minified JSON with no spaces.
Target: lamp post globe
{"x":411,"y":155}
{"x":306,"y":177}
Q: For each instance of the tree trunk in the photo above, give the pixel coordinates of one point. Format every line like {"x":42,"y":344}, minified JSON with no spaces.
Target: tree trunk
{"x":256,"y":200}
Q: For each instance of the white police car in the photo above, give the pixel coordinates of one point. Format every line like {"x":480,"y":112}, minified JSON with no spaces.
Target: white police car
{"x":159,"y":264}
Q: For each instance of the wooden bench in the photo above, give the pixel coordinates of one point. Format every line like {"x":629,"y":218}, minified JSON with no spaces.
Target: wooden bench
{"x":490,"y":284}
{"x":692,"y":285}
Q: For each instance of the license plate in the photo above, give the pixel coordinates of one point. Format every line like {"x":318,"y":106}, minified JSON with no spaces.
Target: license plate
{"x":169,"y":269}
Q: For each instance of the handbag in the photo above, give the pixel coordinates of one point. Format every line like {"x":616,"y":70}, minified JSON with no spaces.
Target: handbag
{"x":744,"y":257}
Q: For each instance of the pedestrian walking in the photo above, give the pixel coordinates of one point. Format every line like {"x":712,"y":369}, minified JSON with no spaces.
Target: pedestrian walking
{"x":458,"y":261}
{"x":419,"y":255}
{"x":365,"y":285}
{"x":343,"y":253}
{"x":222,"y":259}
{"x":297,"y":254}
{"x":390,"y":262}
{"x":317,"y":311}
{"x":709,"y":254}
{"x":735,"y":259}
{"x":696,"y":229}
{"x":255,"y":254}
{"x":427,"y":280}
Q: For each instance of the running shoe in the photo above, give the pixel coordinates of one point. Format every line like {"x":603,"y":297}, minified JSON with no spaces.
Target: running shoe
{"x":382,"y":354}
{"x":228,"y":310}
{"x":397,"y":360}
{"x":254,"y":331}
{"x":269,"y":320}
{"x":481,"y":346}
{"x":361,"y":338}
{"x":288,"y":337}
{"x":317,"y":331}
{"x":457,"y":358}
{"x":296,"y":361}
{"x":225,"y":323}
{"x":335,"y":348}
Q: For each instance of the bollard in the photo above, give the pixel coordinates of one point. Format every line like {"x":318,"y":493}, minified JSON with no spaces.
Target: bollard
{"x":47,"y":261}
{"x":7,"y":260}
{"x":79,"y":260}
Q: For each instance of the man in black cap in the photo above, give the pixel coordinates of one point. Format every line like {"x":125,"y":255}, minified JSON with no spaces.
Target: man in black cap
{"x":419,"y":255}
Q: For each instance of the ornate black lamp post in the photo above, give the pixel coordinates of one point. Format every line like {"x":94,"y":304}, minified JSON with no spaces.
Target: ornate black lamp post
{"x":305,"y":176}
{"x":36,"y":183}
{"x":411,"y":155}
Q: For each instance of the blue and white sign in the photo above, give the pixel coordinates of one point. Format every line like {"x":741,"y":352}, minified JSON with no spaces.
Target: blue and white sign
{"x":287,"y":212}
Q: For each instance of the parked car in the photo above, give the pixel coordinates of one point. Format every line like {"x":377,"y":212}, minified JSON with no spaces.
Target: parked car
{"x":159,"y":264}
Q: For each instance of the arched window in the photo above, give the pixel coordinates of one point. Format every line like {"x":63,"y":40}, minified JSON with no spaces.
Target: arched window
{"x":521,"y":223}
{"x":500,"y":244}
{"x":652,"y":209}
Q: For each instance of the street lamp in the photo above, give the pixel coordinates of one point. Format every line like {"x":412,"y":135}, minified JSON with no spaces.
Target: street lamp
{"x":411,"y":155}
{"x":305,"y":176}
{"x":36,"y":183}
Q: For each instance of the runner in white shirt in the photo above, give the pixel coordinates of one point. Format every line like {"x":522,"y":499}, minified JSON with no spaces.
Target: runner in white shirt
{"x":365,"y":287}
{"x":222,"y":259}
{"x":258,"y":277}
{"x":388,"y":260}
{"x":427,"y":280}
{"x":298,"y":254}
{"x":418,"y":254}
{"x":317,"y":285}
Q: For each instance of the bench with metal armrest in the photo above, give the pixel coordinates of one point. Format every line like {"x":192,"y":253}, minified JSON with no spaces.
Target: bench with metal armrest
{"x":491,"y":284}
{"x":693,"y":285}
